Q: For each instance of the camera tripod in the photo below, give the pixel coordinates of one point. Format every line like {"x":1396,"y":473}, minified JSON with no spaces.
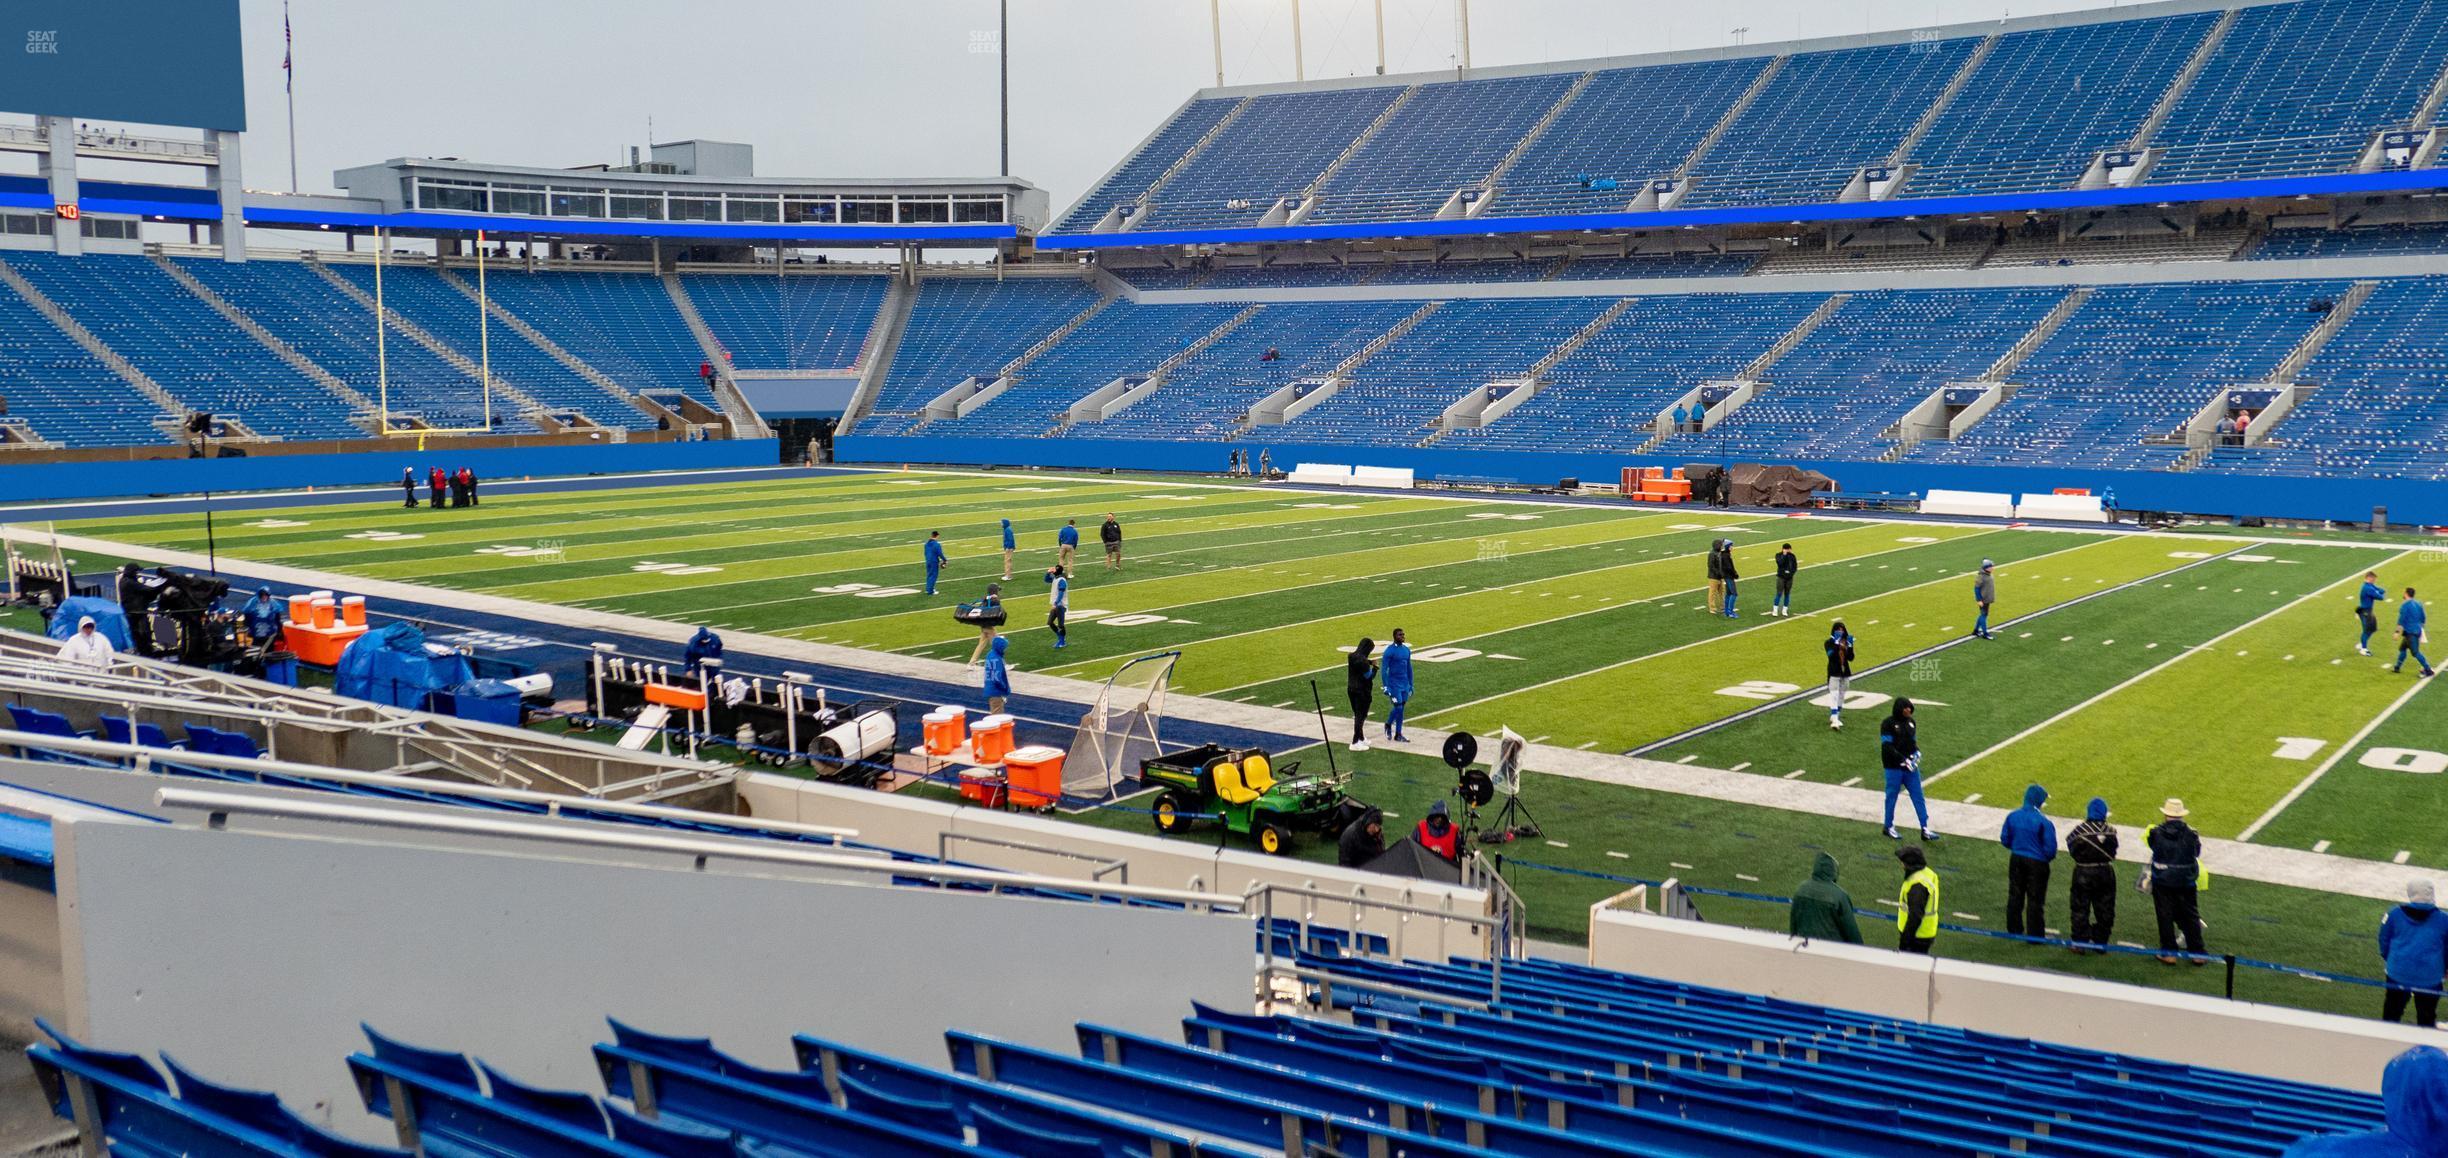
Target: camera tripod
{"x":1512,"y":822}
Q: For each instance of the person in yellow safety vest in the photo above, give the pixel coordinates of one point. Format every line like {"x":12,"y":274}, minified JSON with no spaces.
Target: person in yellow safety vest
{"x":1917,"y":904}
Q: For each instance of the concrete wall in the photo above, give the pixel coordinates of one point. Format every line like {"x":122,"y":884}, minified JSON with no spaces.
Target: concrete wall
{"x":30,"y":982}
{"x":252,"y":956}
{"x":179,"y":476}
{"x":1153,"y":860}
{"x":2131,"y":1019}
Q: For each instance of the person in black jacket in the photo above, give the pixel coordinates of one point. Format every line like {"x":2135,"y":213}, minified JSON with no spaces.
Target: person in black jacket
{"x":1725,"y":551}
{"x":1716,"y":576}
{"x":1359,"y":682}
{"x":1839,"y":647}
{"x":1787,"y":563}
{"x":2175,"y":882}
{"x":408,"y":484}
{"x":2092,"y":846}
{"x":1900,"y":755}
{"x":1363,"y":840}
{"x":1111,"y":533}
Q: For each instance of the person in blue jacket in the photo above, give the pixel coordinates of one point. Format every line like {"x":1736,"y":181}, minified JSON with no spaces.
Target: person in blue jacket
{"x":1009,"y":545}
{"x":998,"y":676}
{"x":2030,"y":838}
{"x":2414,"y":1103}
{"x":701,"y":647}
{"x":263,"y":616}
{"x":2414,"y":943}
{"x":2365,"y":600}
{"x":1066,"y":544}
{"x":1394,"y":675}
{"x":934,"y":559}
{"x":2410,"y":620}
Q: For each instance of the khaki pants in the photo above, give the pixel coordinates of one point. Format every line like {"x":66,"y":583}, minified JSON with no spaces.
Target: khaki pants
{"x":994,"y":705}
{"x":1716,"y":599}
{"x":1063,"y":556}
{"x":986,"y":637}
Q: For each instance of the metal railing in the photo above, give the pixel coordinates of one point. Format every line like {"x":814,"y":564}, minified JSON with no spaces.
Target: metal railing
{"x":1098,"y":867}
{"x":1262,"y":901}
{"x":219,"y":806}
{"x":140,"y":758}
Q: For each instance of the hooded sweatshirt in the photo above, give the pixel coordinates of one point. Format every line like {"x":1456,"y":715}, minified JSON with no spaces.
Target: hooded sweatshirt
{"x":998,"y":674}
{"x":1358,"y":846}
{"x":2094,"y":841}
{"x":2414,"y":1102}
{"x":2028,"y":832}
{"x":1009,"y":543}
{"x":2414,"y":942}
{"x":1823,"y":911}
{"x":1899,"y":740}
{"x":1359,"y":675}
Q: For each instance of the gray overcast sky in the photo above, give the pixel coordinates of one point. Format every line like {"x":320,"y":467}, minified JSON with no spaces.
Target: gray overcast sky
{"x":837,"y":88}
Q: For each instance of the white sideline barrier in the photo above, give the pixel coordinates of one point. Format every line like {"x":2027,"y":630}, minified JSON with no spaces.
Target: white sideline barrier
{"x":2062,"y":508}
{"x":2131,"y":1019}
{"x":1322,"y":474}
{"x":1153,"y":860}
{"x":1396,"y":478}
{"x":1977,"y":504}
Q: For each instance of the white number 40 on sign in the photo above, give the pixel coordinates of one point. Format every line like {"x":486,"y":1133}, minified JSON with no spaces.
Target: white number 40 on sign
{"x":2418,"y":761}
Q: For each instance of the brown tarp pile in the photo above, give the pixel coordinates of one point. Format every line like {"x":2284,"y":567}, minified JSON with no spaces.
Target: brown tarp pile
{"x":1751,"y":484}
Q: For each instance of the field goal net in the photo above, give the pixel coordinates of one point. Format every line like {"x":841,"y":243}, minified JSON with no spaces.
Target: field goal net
{"x":1119,"y":729}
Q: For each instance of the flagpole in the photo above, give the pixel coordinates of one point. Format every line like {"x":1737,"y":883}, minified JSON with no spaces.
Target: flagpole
{"x":289,"y":71}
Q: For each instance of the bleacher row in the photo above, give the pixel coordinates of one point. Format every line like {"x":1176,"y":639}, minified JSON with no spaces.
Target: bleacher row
{"x":2293,"y":88}
{"x":2111,"y":387}
{"x":625,"y":326}
{"x":1550,"y":1060}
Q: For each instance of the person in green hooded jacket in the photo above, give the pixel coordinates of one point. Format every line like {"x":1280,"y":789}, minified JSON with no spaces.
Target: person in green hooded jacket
{"x":1822,"y":910}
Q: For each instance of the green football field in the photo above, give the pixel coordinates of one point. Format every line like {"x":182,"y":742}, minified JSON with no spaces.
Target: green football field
{"x":2221,"y":669}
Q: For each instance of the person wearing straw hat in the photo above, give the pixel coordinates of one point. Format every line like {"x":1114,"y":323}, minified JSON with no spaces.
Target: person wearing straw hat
{"x":2414,"y":943}
{"x":2175,"y":882}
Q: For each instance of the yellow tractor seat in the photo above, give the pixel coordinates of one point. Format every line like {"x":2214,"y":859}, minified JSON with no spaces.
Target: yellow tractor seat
{"x":1257,"y":773}
{"x":1228,"y":785}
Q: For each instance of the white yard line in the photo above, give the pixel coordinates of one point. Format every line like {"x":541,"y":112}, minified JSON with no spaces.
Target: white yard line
{"x":1762,"y":626}
{"x":2138,"y":677}
{"x":2352,"y":742}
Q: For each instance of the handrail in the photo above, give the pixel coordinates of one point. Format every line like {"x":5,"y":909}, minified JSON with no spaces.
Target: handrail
{"x":1099,"y":866}
{"x":1260,"y":899}
{"x":225,"y":804}
{"x":553,"y":803}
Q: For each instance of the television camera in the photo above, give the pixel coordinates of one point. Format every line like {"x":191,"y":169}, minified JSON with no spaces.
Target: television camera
{"x":1479,"y":787}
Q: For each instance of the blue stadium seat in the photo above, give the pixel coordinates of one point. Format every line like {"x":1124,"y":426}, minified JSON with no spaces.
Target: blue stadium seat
{"x":792,"y":321}
{"x":200,"y":357}
{"x":2301,"y":88}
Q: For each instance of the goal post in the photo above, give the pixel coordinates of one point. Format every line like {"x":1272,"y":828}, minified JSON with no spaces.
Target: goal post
{"x":1120,"y":728}
{"x":382,"y":348}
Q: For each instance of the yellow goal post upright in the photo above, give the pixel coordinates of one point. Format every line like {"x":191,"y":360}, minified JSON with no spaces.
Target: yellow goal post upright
{"x":382,"y":356}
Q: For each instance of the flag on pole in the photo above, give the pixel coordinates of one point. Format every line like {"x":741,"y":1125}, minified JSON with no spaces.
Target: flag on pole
{"x":288,"y":51}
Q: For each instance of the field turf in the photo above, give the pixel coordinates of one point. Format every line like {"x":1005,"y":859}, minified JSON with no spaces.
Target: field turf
{"x":2220,"y":669}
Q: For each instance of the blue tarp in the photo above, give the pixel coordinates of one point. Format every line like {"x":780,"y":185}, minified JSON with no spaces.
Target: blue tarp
{"x":107,"y":617}
{"x":391,"y":665}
